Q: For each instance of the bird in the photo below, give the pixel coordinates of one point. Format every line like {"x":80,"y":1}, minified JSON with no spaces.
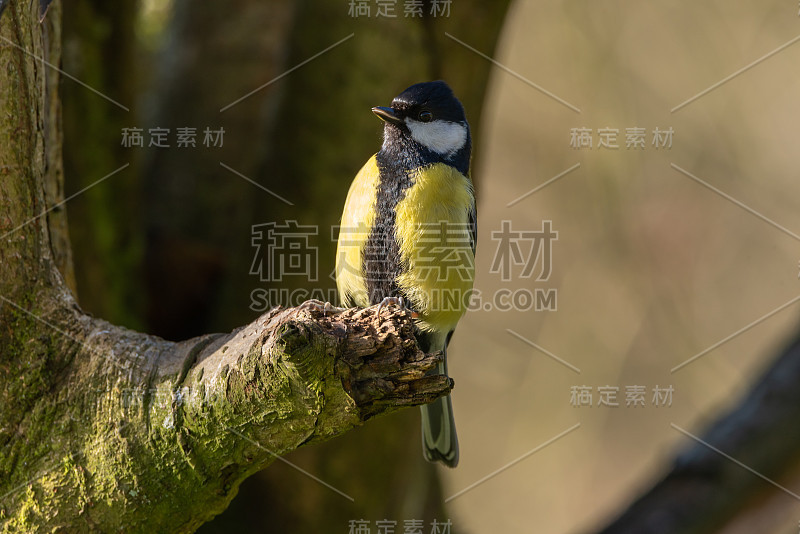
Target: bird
{"x":408,"y":233}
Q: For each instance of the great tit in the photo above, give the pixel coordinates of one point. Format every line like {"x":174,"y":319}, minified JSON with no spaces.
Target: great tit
{"x":408,"y":232}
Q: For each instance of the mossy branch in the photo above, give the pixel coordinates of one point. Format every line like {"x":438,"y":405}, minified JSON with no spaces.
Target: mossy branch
{"x":149,"y":435}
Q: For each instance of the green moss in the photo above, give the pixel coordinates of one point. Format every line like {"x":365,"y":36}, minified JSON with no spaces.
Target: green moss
{"x":28,"y":356}
{"x":29,"y":515}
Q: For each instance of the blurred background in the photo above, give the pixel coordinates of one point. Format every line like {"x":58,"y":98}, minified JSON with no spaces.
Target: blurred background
{"x":654,"y":262}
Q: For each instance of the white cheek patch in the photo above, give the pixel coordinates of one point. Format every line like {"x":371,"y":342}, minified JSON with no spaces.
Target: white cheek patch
{"x":442,"y":137}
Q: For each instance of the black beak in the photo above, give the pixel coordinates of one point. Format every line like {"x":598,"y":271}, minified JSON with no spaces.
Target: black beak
{"x":387,"y":115}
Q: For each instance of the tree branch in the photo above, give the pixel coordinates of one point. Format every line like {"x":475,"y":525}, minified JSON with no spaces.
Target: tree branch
{"x":704,"y":490}
{"x":132,"y":419}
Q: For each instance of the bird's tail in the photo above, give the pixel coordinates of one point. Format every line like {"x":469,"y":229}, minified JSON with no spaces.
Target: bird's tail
{"x":439,"y":440}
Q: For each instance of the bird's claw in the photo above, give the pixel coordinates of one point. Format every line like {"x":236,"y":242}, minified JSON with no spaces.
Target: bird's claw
{"x":315,"y":305}
{"x":397,"y":301}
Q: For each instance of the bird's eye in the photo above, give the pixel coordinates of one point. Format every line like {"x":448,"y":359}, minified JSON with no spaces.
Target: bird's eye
{"x":425,"y":116}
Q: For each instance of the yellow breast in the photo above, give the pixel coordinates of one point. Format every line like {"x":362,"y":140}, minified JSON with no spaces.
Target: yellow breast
{"x":433,"y":231}
{"x":357,"y":221}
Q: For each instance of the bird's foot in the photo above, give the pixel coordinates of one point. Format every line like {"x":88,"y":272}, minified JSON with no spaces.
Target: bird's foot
{"x":396,"y":301}
{"x":316,"y":306}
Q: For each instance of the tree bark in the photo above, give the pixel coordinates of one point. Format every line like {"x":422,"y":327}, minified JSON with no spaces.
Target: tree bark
{"x":103,"y":428}
{"x":145,"y":434}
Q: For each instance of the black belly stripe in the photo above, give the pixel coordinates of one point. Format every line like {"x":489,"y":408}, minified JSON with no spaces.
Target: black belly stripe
{"x":381,"y":254}
{"x":399,"y":157}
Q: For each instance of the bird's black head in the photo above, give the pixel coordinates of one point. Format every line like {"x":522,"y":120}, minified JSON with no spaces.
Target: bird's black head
{"x":426,"y":122}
